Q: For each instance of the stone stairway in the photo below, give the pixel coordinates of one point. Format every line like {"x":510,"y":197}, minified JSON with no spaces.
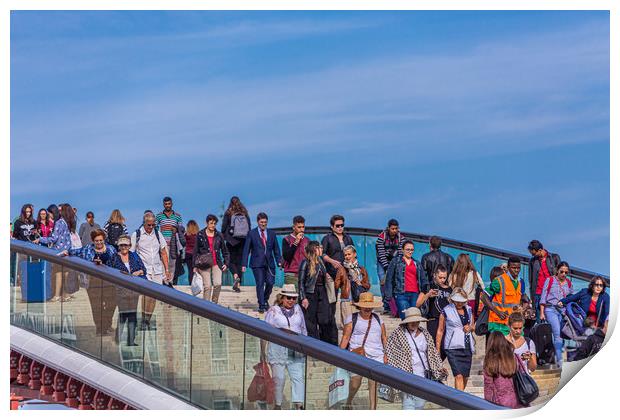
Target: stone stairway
{"x":319,"y":373}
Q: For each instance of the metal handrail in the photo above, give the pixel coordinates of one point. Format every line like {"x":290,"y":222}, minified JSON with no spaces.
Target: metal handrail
{"x":454,"y":243}
{"x":412,"y":384}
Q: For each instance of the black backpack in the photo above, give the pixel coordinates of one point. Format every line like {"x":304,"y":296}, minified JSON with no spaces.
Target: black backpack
{"x":114,"y":231}
{"x":542,"y":335}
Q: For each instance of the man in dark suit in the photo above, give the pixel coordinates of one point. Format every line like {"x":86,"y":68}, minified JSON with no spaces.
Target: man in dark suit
{"x":262,"y":245}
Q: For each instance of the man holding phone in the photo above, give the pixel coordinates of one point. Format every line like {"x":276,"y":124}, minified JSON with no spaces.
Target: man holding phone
{"x":293,"y":250}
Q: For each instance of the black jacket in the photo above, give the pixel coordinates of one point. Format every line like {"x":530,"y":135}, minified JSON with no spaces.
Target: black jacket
{"x":331,"y":248}
{"x":553,"y":260}
{"x":432,"y":259}
{"x":202,"y":246}
{"x":306,"y":282}
{"x":591,"y":346}
{"x":25,"y":231}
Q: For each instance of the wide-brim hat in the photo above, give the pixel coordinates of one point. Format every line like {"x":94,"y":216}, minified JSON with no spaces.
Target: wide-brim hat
{"x":288,"y":290}
{"x":123,"y":241}
{"x":413,"y":314}
{"x":367,"y":300}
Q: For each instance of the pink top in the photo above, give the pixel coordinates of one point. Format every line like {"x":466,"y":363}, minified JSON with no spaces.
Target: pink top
{"x":211,"y":239}
{"x":501,"y":391}
{"x":46,"y":230}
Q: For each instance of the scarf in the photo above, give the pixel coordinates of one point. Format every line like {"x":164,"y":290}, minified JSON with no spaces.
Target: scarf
{"x":353,"y":270}
{"x":399,"y":353}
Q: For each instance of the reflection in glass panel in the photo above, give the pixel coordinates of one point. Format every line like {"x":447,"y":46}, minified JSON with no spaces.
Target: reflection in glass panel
{"x":419,"y":249}
{"x":82,"y":312}
{"x":122,"y":341}
{"x":167,"y":346}
{"x":286,"y":367}
{"x":349,"y":390}
{"x":476,"y":259}
{"x":19,"y":306}
{"x":487,"y":265}
{"x":217,"y":365}
{"x":41,"y":290}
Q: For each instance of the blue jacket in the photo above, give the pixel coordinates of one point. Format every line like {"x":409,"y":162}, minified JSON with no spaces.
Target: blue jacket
{"x":395,"y":277}
{"x":135,"y":263}
{"x":261,"y":256}
{"x":583,"y":299}
{"x":88,"y":253}
{"x":60,"y":239}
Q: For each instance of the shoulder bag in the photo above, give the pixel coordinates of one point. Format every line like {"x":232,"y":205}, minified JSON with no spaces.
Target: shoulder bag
{"x":360,"y":350}
{"x":525,"y":386}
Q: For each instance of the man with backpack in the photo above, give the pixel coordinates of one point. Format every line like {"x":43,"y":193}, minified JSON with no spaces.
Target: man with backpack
{"x":151,"y":246}
{"x":543,"y":265}
{"x":170,"y":224}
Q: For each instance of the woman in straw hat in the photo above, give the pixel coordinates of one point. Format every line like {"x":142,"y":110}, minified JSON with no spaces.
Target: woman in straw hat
{"x":412,"y":349}
{"x":286,"y":314}
{"x":456,"y":324}
{"x":364,"y":333}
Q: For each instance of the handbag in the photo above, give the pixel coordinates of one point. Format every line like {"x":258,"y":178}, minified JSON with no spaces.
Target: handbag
{"x":360,"y":350}
{"x":525,"y":386}
{"x":197,"y":284}
{"x":204,"y":261}
{"x":428,"y":373}
{"x":330,"y":288}
{"x":262,"y":387}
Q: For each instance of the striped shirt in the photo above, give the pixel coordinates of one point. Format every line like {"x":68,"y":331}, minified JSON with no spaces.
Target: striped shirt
{"x":166,"y":224}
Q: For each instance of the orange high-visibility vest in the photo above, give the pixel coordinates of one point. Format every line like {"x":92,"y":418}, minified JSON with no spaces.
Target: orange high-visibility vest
{"x":508,"y":297}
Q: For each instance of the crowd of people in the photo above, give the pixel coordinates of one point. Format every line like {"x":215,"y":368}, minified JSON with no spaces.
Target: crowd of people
{"x":448,"y":295}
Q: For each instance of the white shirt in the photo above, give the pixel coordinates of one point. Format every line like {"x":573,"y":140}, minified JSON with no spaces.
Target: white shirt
{"x":149,"y":250}
{"x":419,"y":365}
{"x":276,"y":318}
{"x":469,"y":285}
{"x":523,"y":349}
{"x":373,"y":346}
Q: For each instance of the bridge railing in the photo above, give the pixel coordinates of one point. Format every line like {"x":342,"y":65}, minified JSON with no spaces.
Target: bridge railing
{"x":199,"y":351}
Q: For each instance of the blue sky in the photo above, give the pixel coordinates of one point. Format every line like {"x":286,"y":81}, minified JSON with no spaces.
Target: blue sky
{"x":490,"y":127}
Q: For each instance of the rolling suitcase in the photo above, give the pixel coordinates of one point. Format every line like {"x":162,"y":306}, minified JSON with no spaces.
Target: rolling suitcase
{"x":36,"y":285}
{"x":542,"y":336}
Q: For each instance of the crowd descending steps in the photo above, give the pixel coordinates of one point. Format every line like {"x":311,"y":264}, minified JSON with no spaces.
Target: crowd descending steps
{"x":318,"y":376}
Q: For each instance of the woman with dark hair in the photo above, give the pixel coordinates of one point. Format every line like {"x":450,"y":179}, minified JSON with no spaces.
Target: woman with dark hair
{"x":53,"y":212}
{"x":235,"y":227}
{"x":593,"y":300}
{"x":210,"y":242}
{"x":465,"y":276}
{"x":191,"y":231}
{"x":45,"y":223}
{"x":314,"y":296}
{"x":499,"y":367}
{"x":24,"y":228}
{"x":554,"y":290}
{"x":60,"y":240}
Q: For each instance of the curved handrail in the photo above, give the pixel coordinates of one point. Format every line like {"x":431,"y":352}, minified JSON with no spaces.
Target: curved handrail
{"x":412,"y":384}
{"x":454,"y":243}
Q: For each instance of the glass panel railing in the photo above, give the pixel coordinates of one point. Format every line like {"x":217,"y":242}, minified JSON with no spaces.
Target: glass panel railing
{"x":217,"y":365}
{"x":196,"y":350}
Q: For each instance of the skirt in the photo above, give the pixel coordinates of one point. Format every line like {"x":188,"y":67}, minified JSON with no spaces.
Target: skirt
{"x":460,"y":361}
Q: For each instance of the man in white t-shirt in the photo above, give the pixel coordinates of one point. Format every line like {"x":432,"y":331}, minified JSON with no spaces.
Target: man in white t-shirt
{"x":151,"y":246}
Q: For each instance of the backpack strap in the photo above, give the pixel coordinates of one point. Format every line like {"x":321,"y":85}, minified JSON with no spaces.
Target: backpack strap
{"x":550,"y":284}
{"x":138,"y":233}
{"x":354,"y":320}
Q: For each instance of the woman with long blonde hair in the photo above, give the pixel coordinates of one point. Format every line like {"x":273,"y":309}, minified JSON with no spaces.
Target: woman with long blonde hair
{"x":314,"y":296}
{"x":465,"y":276}
{"x":191,"y":231}
{"x":115,"y":227}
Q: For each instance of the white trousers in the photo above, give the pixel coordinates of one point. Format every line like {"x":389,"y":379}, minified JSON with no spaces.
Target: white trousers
{"x":296,"y":374}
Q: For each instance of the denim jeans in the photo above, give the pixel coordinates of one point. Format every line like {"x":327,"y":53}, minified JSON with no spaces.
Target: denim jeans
{"x":537,"y":307}
{"x":380,"y":275}
{"x":404,"y":301}
{"x":554,"y":317}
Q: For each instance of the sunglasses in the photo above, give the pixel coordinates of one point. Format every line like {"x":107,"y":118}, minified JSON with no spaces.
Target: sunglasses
{"x":563,"y":272}
{"x":408,"y":249}
{"x":290,"y":297}
{"x":599,"y":285}
{"x":339,"y":226}
{"x":150,"y":224}
{"x":121,"y":245}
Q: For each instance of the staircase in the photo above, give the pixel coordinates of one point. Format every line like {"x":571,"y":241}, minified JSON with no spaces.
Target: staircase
{"x":319,"y":373}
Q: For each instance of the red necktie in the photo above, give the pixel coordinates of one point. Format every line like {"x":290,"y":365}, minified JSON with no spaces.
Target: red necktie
{"x":262,"y":236}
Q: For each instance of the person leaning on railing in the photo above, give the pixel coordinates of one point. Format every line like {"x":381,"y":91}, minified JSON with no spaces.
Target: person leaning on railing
{"x":101,"y":294}
{"x":412,"y":349}
{"x":127,"y":300}
{"x":287,"y":315}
